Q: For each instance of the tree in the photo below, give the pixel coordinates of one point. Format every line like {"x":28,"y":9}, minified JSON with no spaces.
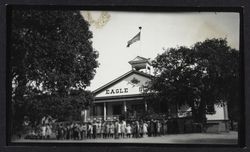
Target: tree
{"x":51,"y":55}
{"x":203,"y":75}
{"x":67,"y":108}
{"x":221,"y":83}
{"x":172,"y":83}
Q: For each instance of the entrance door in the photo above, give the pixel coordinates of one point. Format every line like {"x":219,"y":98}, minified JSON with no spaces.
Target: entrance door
{"x":117,"y":109}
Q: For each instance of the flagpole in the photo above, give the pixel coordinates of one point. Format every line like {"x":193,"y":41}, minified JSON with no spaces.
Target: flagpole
{"x":140,"y":41}
{"x":136,"y":38}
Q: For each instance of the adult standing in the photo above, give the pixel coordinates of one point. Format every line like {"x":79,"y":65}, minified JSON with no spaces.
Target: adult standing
{"x":94,"y":130}
{"x":141,"y":129}
{"x":165,"y":127}
{"x":123,"y":127}
{"x":85,"y":130}
{"x":107,"y":126}
{"x":145,"y":128}
{"x":67,"y":131}
{"x":90,"y":131}
{"x":98,"y":129}
{"x":74,"y":131}
{"x":133,"y":128}
{"x":152,"y":129}
{"x":116,"y":130}
{"x":158,"y":128}
{"x":58,"y":134}
{"x":81,"y":131}
{"x":48,"y":131}
{"x":137,"y":127}
{"x":155,"y":127}
{"x":103,"y":129}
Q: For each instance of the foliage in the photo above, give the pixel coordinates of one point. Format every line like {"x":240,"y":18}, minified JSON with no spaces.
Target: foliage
{"x":205,"y":74}
{"x":51,"y":55}
{"x":68,"y":108}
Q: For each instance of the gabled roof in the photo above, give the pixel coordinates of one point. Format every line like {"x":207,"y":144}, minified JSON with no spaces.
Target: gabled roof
{"x":121,"y":78}
{"x":140,"y":59}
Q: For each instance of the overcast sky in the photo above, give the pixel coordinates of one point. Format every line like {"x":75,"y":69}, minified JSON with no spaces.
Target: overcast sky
{"x":159,"y":30}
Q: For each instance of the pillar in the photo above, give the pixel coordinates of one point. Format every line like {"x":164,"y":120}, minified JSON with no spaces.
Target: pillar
{"x":104,"y":111}
{"x":225,"y":109}
{"x":125,"y":106}
{"x":84,"y":115}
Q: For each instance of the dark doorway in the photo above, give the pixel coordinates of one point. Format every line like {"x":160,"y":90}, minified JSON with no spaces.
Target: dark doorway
{"x":117,"y":109}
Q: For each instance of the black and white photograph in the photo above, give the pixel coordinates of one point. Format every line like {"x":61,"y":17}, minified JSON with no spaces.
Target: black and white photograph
{"x":127,"y":77}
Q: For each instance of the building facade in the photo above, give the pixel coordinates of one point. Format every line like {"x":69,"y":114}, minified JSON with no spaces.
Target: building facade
{"x":124,"y":95}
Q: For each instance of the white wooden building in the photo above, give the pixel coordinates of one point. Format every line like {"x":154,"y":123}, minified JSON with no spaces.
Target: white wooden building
{"x":124,"y":95}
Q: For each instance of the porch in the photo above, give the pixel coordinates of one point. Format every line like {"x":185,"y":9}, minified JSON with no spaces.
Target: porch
{"x":116,"y":109}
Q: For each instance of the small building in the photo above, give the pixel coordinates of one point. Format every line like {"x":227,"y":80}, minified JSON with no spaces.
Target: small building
{"x":124,"y":95}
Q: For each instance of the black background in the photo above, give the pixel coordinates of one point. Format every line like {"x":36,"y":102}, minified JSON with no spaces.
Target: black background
{"x":242,"y":7}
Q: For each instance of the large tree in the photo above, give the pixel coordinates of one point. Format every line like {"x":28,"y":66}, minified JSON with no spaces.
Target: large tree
{"x":51,"y":54}
{"x":221,"y":79}
{"x":203,"y":75}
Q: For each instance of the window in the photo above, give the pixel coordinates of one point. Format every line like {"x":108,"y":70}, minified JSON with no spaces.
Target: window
{"x":210,"y":109}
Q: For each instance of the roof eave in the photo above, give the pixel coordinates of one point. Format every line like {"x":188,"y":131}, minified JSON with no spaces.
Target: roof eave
{"x":120,"y":78}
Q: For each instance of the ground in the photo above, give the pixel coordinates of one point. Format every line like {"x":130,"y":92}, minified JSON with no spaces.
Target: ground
{"x":194,"y":138}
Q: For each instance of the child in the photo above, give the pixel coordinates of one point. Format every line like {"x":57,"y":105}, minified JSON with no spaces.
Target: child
{"x":145,"y":128}
{"x":128,"y":130}
{"x":90,"y":131}
{"x":43,"y":131}
{"x":112,"y":130}
{"x":119,"y":131}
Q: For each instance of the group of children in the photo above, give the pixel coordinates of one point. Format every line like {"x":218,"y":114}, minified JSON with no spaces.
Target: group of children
{"x":109,"y":129}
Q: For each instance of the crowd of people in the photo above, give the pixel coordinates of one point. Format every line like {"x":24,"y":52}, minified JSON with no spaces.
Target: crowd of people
{"x":103,"y":129}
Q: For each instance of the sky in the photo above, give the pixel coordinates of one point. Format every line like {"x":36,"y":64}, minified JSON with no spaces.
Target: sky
{"x":159,"y":30}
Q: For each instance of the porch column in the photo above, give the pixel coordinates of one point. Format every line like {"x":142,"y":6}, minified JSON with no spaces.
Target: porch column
{"x":125,"y":106}
{"x":225,"y":109}
{"x":83,"y":115}
{"x":146,"y":106}
{"x":104,"y":111}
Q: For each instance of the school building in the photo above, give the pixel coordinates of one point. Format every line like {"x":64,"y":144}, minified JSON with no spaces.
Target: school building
{"x":125,"y":95}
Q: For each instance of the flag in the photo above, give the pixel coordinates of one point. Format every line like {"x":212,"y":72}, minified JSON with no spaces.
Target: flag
{"x":134,"y":39}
